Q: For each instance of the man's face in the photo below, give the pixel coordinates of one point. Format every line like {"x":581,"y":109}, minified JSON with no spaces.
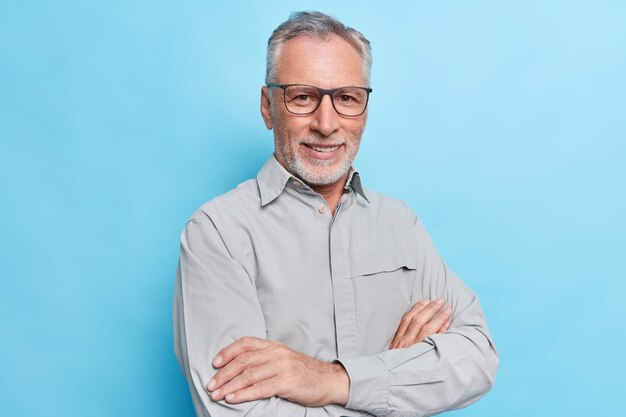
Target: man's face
{"x":320,"y":147}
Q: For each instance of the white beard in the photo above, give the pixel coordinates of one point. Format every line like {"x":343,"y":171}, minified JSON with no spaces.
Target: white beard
{"x":318,"y":171}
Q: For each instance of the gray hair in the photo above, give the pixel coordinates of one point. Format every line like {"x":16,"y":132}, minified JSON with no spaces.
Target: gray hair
{"x":317,"y":25}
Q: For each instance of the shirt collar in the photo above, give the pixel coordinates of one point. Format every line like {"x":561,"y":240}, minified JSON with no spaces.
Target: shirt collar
{"x":273,"y":178}
{"x":354,"y":181}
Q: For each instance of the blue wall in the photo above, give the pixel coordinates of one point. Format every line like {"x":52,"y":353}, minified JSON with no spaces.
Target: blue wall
{"x":502,"y":123}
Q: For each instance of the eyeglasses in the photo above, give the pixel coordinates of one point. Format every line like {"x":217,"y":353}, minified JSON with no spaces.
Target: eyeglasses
{"x":305,"y":99}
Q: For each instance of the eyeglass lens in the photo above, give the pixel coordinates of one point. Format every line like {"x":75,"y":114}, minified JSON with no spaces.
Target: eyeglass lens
{"x":304,"y":99}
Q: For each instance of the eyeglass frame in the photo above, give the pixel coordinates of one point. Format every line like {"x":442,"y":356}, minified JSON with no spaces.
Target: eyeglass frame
{"x":322,"y":92}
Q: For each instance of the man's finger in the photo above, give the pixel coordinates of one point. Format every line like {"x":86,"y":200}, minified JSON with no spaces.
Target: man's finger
{"x":245,"y":379}
{"x":405,"y":321}
{"x":446,"y":326}
{"x":261,"y":390}
{"x":239,"y":346}
{"x":418,"y":321}
{"x":241,"y":362}
{"x":435,"y":325}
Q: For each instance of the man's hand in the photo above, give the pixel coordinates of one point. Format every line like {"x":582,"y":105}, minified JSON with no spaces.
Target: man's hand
{"x":423,"y":319}
{"x":252,"y":369}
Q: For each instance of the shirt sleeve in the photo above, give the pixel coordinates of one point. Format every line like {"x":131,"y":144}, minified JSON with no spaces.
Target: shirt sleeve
{"x":445,"y":371}
{"x":215,"y":303}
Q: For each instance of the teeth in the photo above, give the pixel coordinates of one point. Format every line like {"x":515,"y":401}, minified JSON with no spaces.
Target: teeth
{"x":325,"y":149}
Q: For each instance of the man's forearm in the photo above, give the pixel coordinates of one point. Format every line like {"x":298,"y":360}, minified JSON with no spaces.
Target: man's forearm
{"x":445,"y":372}
{"x":251,"y":369}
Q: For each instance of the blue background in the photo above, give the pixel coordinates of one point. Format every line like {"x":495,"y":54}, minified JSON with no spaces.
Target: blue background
{"x":503,"y":124}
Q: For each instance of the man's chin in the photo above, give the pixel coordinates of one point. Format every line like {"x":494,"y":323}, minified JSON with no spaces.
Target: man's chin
{"x":316,"y":176}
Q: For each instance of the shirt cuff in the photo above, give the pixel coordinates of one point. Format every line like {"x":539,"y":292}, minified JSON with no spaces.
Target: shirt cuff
{"x":369,"y":383}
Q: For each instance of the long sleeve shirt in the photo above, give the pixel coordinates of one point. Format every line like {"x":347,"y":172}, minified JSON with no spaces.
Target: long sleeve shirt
{"x":269,"y":259}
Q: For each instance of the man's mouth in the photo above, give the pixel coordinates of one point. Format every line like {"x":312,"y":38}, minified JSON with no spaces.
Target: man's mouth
{"x":323,"y":149}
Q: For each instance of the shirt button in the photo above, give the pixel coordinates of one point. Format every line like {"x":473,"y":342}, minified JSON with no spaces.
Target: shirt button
{"x":297,"y":183}
{"x":322,"y":210}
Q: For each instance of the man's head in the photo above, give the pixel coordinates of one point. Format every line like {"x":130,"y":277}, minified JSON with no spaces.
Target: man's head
{"x":316,"y":50}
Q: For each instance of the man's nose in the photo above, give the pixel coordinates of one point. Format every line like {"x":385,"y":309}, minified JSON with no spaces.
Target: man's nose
{"x":325,"y":119}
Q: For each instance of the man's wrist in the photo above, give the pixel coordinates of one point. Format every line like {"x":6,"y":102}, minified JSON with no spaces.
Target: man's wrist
{"x":340,"y":385}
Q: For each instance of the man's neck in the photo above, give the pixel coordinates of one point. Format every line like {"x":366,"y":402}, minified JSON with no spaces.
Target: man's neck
{"x":331,"y":192}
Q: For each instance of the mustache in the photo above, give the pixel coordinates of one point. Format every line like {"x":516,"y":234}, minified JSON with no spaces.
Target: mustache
{"x":319,"y":140}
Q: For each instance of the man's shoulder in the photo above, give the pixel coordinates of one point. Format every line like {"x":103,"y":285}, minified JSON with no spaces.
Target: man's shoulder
{"x":238,"y":201}
{"x":390,"y":205}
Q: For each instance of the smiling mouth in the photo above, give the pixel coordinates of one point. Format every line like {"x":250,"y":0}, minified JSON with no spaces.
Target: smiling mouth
{"x":323,"y":149}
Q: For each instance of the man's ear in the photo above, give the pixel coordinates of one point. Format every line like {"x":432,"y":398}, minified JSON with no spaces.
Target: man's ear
{"x":266,"y":111}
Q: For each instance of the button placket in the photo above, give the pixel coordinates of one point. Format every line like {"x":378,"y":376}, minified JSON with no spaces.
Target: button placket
{"x":345,"y":313}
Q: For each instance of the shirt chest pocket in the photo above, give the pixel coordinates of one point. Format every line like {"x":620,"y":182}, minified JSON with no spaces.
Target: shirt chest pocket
{"x":382,"y":283}
{"x":384,"y":276}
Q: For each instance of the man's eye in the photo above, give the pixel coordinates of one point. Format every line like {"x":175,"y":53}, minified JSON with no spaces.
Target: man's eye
{"x":302,"y":97}
{"x":346,"y":98}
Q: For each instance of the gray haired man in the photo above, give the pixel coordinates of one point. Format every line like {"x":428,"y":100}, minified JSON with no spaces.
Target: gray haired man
{"x":301,"y":293}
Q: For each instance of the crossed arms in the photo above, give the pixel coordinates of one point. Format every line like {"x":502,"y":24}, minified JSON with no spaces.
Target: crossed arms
{"x":440,"y":358}
{"x":253,"y":369}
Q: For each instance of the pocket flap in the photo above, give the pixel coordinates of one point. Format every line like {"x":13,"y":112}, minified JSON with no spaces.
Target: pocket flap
{"x":378,"y":262}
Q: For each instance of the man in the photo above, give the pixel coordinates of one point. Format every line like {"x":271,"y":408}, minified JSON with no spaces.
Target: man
{"x":301,"y":293}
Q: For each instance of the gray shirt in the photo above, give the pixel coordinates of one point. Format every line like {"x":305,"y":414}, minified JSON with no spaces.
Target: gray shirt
{"x":268,"y":259}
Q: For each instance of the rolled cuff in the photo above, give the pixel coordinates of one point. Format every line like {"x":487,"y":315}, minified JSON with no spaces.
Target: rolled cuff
{"x":369,"y":383}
